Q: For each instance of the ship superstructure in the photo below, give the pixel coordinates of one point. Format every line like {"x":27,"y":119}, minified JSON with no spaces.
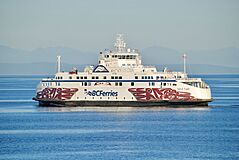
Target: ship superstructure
{"x":120,"y":79}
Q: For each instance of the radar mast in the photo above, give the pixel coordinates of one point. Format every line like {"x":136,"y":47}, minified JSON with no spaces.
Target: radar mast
{"x":120,"y":45}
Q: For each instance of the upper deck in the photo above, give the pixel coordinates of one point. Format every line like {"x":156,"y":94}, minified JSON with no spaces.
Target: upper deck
{"x":121,"y":56}
{"x":122,"y":62}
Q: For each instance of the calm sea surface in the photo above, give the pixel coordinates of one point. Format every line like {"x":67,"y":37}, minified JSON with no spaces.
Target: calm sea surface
{"x":31,"y":132}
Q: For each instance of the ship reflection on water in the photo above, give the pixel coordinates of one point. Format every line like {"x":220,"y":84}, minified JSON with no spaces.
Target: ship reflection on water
{"x":121,"y":109}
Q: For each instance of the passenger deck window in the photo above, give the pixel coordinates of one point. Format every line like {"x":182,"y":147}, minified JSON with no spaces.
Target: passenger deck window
{"x":151,"y":84}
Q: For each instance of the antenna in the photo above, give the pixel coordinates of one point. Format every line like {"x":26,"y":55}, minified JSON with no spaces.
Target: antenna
{"x":58,"y":64}
{"x":184,"y":62}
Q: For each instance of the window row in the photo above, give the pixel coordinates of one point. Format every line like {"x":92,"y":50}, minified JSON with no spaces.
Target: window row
{"x":59,"y":77}
{"x":47,"y":84}
{"x":168,"y":84}
{"x":147,"y":77}
{"x":110,"y":84}
{"x":121,"y":56}
{"x":95,"y":77}
{"x":116,"y":77}
{"x":129,"y":65}
{"x":81,"y":77}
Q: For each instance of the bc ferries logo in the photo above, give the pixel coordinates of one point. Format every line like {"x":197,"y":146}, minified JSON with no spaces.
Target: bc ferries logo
{"x":101,"y":93}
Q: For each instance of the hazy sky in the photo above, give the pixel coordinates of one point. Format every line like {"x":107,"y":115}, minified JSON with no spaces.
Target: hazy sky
{"x":91,"y":25}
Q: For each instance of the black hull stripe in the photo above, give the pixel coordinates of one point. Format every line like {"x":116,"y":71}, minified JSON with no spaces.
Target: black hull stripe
{"x":123,"y":103}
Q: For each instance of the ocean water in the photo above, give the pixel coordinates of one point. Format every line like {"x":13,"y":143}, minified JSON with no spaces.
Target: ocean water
{"x":28,"y":131}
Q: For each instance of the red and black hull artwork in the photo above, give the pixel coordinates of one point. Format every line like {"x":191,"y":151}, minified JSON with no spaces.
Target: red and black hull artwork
{"x":158,"y":94}
{"x":60,"y":94}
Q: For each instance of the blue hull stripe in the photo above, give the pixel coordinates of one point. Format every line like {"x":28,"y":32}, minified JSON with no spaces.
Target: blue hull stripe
{"x":118,"y":80}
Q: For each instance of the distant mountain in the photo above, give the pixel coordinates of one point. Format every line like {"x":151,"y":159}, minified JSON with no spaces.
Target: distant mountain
{"x":50,"y":68}
{"x":201,"y":68}
{"x":225,"y":56}
{"x":222,"y":57}
{"x":69,"y":55}
{"x":43,"y":60}
{"x":35,"y":68}
{"x":11,"y":55}
{"x":160,"y":55}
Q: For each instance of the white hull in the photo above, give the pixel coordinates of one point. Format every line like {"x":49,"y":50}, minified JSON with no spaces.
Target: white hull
{"x":101,"y":93}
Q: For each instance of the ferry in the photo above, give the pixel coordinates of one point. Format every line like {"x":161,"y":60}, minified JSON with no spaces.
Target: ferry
{"x":120,"y":79}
